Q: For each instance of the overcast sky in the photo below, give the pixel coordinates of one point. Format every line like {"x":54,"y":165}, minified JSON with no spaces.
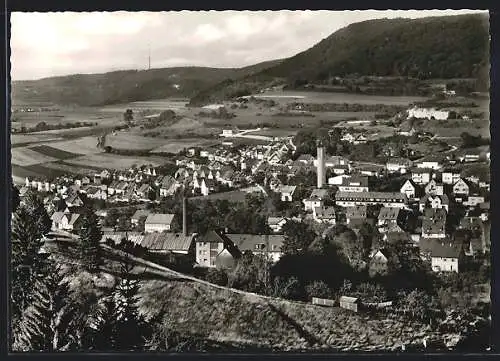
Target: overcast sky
{"x":48,"y":44}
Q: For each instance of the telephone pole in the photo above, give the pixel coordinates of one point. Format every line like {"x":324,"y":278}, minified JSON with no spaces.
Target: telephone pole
{"x":149,"y":56}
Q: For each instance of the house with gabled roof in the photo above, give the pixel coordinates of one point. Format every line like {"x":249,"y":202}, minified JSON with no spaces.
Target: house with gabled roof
{"x":140,"y":214}
{"x":409,"y":188}
{"x":268,"y":246}
{"x":398,"y":165}
{"x":355,"y":213}
{"x":168,"y":186}
{"x":435,"y":202}
{"x":324,"y":215}
{"x":434,"y":188}
{"x":354,"y":184}
{"x":388,"y":216}
{"x":66,"y":221}
{"x":461,"y":188}
{"x":434,"y":223}
{"x":158,"y":222}
{"x":276,"y":223}
{"x":287,"y":192}
{"x":316,"y":199}
{"x":421,"y":175}
{"x":215,"y":250}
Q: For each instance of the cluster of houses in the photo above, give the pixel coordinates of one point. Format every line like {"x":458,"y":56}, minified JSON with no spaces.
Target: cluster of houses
{"x":427,"y":192}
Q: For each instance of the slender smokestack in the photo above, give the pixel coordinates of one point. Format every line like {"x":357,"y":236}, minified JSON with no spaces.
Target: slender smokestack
{"x":184,"y":216}
{"x":321,"y":164}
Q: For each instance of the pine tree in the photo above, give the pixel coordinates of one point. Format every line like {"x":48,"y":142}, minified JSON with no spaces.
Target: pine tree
{"x":89,"y":247}
{"x":120,"y":327}
{"x":25,"y":259}
{"x":44,"y":324}
{"x":38,"y":212}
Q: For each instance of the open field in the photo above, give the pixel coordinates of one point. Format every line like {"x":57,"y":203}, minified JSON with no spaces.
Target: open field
{"x":85,"y":145}
{"x":176,"y":145}
{"x":113,"y":161}
{"x":177,"y":105}
{"x":68,"y":168}
{"x":24,"y":156}
{"x":126,"y":140}
{"x":20,"y":173}
{"x":272,"y":132}
{"x":53,"y":152}
{"x":64,"y":115}
{"x":324,"y":97}
{"x":453,"y":128}
{"x":234,"y":196}
{"x":23,"y":139}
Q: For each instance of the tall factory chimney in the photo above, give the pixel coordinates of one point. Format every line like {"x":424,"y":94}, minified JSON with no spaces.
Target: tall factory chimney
{"x":320,"y":164}
{"x":184,"y":216}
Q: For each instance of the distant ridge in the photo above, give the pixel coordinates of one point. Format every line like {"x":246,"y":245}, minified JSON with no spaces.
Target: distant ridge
{"x":123,"y":86}
{"x":442,"y":47}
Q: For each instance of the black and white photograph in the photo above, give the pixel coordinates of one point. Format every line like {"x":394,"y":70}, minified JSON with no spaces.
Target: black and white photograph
{"x":252,"y":182}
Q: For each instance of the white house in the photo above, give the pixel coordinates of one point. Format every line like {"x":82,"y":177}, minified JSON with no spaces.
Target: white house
{"x":287,"y":193}
{"x":276,"y":223}
{"x":398,"y":165}
{"x":450,"y":177}
{"x":428,"y":113}
{"x":354,"y":184}
{"x":315,"y":199}
{"x":158,"y":222}
{"x":461,"y":188}
{"x":434,"y":188}
{"x":429,"y":164}
{"x":473,"y":201}
{"x":421,"y":175}
{"x":65,"y":221}
{"x":409,"y":189}
{"x":446,"y":257}
{"x":337,"y":180}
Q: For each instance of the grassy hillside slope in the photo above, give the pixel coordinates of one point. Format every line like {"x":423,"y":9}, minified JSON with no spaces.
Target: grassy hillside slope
{"x":126,"y":86}
{"x":221,"y":316}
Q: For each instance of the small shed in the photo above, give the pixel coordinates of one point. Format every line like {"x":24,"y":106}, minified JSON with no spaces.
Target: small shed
{"x":323,"y":302}
{"x":349,"y":303}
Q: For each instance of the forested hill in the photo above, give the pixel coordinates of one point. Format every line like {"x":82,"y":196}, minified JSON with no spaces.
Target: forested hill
{"x":434,"y":47}
{"x":443,"y":47}
{"x":126,"y":86}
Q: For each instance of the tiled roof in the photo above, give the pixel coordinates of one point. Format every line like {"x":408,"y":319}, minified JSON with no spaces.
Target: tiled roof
{"x":248,"y":242}
{"x":159,"y":218}
{"x":140,"y":213}
{"x":369,"y":195}
{"x":389,"y":213}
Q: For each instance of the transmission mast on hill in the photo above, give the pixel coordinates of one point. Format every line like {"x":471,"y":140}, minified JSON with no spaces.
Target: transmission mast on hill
{"x":149,"y":56}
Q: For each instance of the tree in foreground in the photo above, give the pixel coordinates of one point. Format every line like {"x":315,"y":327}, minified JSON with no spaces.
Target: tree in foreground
{"x":25,"y":259}
{"x":45,"y":324}
{"x":89,"y":246}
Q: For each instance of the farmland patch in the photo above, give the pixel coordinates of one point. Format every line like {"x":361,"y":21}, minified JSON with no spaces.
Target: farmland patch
{"x":113,"y":161}
{"x":25,"y":157}
{"x":124,"y":140}
{"x":176,"y":145}
{"x":23,"y":139}
{"x":325,"y":97}
{"x":85,"y":145}
{"x":53,"y":152}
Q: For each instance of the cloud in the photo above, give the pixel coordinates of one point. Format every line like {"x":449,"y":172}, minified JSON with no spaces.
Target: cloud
{"x":47,"y":44}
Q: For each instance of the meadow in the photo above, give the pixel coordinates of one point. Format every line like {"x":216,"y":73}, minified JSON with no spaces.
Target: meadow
{"x":113,"y":161}
{"x":325,"y":97}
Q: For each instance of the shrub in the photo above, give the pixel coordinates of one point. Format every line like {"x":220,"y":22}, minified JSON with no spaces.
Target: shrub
{"x":217,"y":276}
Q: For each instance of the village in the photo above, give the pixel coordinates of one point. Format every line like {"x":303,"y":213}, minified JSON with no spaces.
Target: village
{"x":417,"y":208}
